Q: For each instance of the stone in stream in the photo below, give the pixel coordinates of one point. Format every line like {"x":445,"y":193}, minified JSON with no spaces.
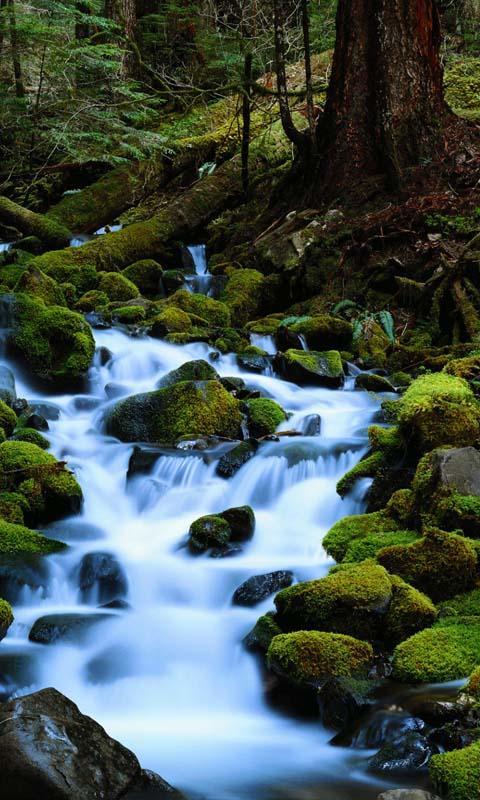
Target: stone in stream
{"x":343,"y":700}
{"x":221,"y":532}
{"x":68,"y":627}
{"x":373,"y":383}
{"x":199,"y":370}
{"x":36,"y":421}
{"x":7,"y":385}
{"x":259,"y":587}
{"x":102,"y":573}
{"x":311,"y":368}
{"x":51,"y":751}
{"x":406,"y":756}
{"x":407,"y":794}
{"x":231,"y":462}
{"x":253,"y":362}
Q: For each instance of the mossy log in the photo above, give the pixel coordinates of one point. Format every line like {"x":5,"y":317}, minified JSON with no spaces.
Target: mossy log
{"x":186,"y":214}
{"x":50,"y":231}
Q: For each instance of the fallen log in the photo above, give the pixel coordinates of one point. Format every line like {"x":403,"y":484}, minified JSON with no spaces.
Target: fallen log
{"x":50,"y":231}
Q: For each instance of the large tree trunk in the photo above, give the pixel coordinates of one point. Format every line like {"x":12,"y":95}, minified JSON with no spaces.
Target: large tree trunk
{"x":385,"y":105}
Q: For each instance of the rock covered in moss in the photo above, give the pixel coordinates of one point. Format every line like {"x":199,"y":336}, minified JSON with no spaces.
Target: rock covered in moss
{"x":456,"y":775}
{"x":94,"y":300}
{"x":146,"y":275}
{"x":8,"y":418}
{"x":213,"y":312}
{"x":441,"y":564}
{"x":199,"y":370}
{"x":308,"y":657}
{"x":16,"y":539}
{"x":263,"y":416}
{"x":243,"y":294}
{"x":462,"y":605}
{"x":372,"y":346}
{"x":184,"y":409}
{"x":170,"y":320}
{"x":41,"y":287}
{"x":323,"y":369}
{"x":235,"y":458}
{"x":217,"y":531}
{"x":129,"y":315}
{"x":373,"y":383}
{"x":6,"y":618}
{"x":13,"y":507}
{"x":259,"y":587}
{"x":57,"y":344}
{"x":439,"y":409}
{"x":370,"y":545}
{"x":82,"y":275}
{"x":31,"y":435}
{"x":117,"y":287}
{"x":448,"y":651}
{"x":321,"y":332}
{"x":261,"y":635}
{"x":352,"y":528}
{"x":387,"y":447}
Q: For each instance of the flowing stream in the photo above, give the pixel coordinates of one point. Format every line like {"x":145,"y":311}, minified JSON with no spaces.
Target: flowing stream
{"x":169,"y":676}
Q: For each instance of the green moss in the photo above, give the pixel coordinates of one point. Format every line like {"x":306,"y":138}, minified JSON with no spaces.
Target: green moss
{"x":209,"y":531}
{"x":31,"y":435}
{"x":467,"y":368}
{"x":243,"y":294}
{"x":8,"y":418}
{"x":13,"y":507}
{"x":369,"y":546}
{"x":41,"y":287}
{"x":264,"y":416}
{"x":456,"y":511}
{"x":198,"y":370}
{"x":311,"y":367}
{"x":350,"y":529}
{"x":473,"y":687}
{"x":117,"y":287}
{"x":448,"y":651}
{"x":6,"y":617}
{"x":10,"y":274}
{"x":323,"y":332}
{"x":16,"y":539}
{"x":461,"y":86}
{"x":463,"y":605}
{"x":442,"y":564}
{"x":366,"y":468}
{"x":401,"y":507}
{"x":53,"y":341}
{"x":184,"y":409}
{"x":146,"y":275}
{"x":410,"y":611}
{"x":93,"y":300}
{"x":80,"y":274}
{"x":373,"y":383}
{"x":372,"y":346}
{"x":129,"y":315}
{"x":439,"y":409}
{"x":170,"y":320}
{"x":214,"y":312}
{"x":307,"y":657}
{"x":265,"y":326}
{"x":262,"y":633}
{"x":456,"y":775}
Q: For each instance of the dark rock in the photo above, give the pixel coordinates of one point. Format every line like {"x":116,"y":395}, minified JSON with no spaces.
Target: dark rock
{"x":407,"y":756}
{"x":17,"y":572}
{"x":241,"y":521}
{"x":31,"y":244}
{"x":151,"y":786}
{"x":20,"y":406}
{"x":7,"y":385}
{"x":458,"y":469}
{"x":231,"y":462}
{"x":102,"y":356}
{"x":142,"y":460}
{"x":114,"y":390}
{"x":312,"y":425}
{"x":37,"y":422}
{"x":233,"y":384}
{"x":48,"y":410}
{"x":385,"y":727}
{"x":343,"y":700}
{"x":64,"y":627}
{"x":86,"y":403}
{"x":50,"y":751}
{"x":373,"y":383}
{"x":261,"y":635}
{"x":117,"y":605}
{"x":259,"y":587}
{"x":199,"y":370}
{"x":226,"y":552}
{"x":286,"y":339}
{"x":101,"y":573}
{"x":436,"y":712}
{"x":453,"y":736}
{"x":172,"y":279}
{"x":311,"y":368}
{"x":253,"y":363}
{"x":97,"y":320}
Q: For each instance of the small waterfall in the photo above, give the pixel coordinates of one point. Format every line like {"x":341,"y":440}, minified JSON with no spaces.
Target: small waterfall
{"x":264,"y":342}
{"x":201,"y":281}
{"x":4,"y":246}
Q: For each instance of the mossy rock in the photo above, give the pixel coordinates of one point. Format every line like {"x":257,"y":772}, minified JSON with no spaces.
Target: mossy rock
{"x":370,"y":545}
{"x":456,"y":775}
{"x":146,"y":275}
{"x":94,"y":300}
{"x":117,"y":287}
{"x":13,"y":507}
{"x":199,"y":370}
{"x":461,"y":89}
{"x":323,"y":369}
{"x":323,"y":332}
{"x":214,"y":312}
{"x":266,"y":326}
{"x":373,"y":383}
{"x":308,"y":657}
{"x":82,"y":275}
{"x":57,"y":344}
{"x":441,"y":564}
{"x":462,"y":605}
{"x":129,"y":315}
{"x":264,"y":416}
{"x":243,"y":294}
{"x":262,"y":633}
{"x":373,"y":346}
{"x":8,"y":418}
{"x":6,"y":618}
{"x":184,"y":409}
{"x":360,"y":600}
{"x":170,"y":320}
{"x":211,"y":531}
{"x":439,"y":409}
{"x":350,"y":529}
{"x":448,"y":651}
{"x":467,"y":368}
{"x":31,"y":435}
{"x":41,"y":287}
{"x":16,"y":539}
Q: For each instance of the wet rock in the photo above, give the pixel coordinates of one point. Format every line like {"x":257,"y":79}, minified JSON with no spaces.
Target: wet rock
{"x":48,"y":410}
{"x":231,"y":462}
{"x":142,"y":460}
{"x":114,"y":390}
{"x":311,"y":368}
{"x":261,"y":635}
{"x":221,"y":532}
{"x":51,"y":751}
{"x":97,"y":320}
{"x":407,"y":756}
{"x":233,"y":384}
{"x":64,"y":627}
{"x":87,"y":403}
{"x":103,"y":355}
{"x":436,"y":712}
{"x":253,"y":363}
{"x":458,"y":469}
{"x":241,"y":521}
{"x":454,"y":736}
{"x":373,"y":383}
{"x":172,"y":279}
{"x":259,"y":587}
{"x":7,"y":385}
{"x":117,"y":605}
{"x":20,"y":406}
{"x":226,"y":552}
{"x":37,"y":422}
{"x":20,"y":572}
{"x":312,"y":425}
{"x":407,"y":794}
{"x":101,"y":573}
{"x":151,"y":786}
{"x":384,"y":727}
{"x":199,"y":370}
{"x":343,"y":700}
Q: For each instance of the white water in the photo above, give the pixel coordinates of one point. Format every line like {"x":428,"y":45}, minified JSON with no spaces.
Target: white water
{"x":170,"y":677}
{"x":200,"y":281}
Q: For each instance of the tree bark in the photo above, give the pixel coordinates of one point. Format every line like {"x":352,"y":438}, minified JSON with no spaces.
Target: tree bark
{"x":385,"y":105}
{"x":291,"y":131}
{"x":17,"y":64}
{"x":125,"y":14}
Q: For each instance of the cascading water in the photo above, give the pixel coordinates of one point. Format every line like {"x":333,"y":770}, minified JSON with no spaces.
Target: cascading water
{"x":169,"y":677}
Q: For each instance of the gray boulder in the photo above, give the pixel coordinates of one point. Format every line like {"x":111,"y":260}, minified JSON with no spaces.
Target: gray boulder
{"x":459,"y":470}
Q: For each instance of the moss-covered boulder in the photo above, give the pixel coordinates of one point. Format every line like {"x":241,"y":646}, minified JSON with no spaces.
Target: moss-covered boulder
{"x":373,"y":383}
{"x":55,"y":343}
{"x":262,"y":633}
{"x":94,"y":300}
{"x":322,"y":332}
{"x":50,"y":490}
{"x":18,"y":540}
{"x":370,"y":545}
{"x":357,"y":527}
{"x":169,"y":320}
{"x":441,"y":564}
{"x":263,"y":416}
{"x":117,"y":287}
{"x":199,"y":370}
{"x":129,"y":315}
{"x":467,"y":368}
{"x":41,"y":287}
{"x":213,"y":312}
{"x":322,"y":369}
{"x":6,"y":618}
{"x":361,"y":600}
{"x":8,"y":418}
{"x":308,"y":657}
{"x":146,"y":275}
{"x":462,"y":605}
{"x":439,"y":409}
{"x":448,"y":651}
{"x":387,"y":448}
{"x":187,"y":408}
{"x":456,"y":775}
{"x":216,"y":532}
{"x":13,"y":507}
{"x":372,"y":346}
{"x":243,"y":294}
{"x":82,"y":275}
{"x":31,"y":435}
